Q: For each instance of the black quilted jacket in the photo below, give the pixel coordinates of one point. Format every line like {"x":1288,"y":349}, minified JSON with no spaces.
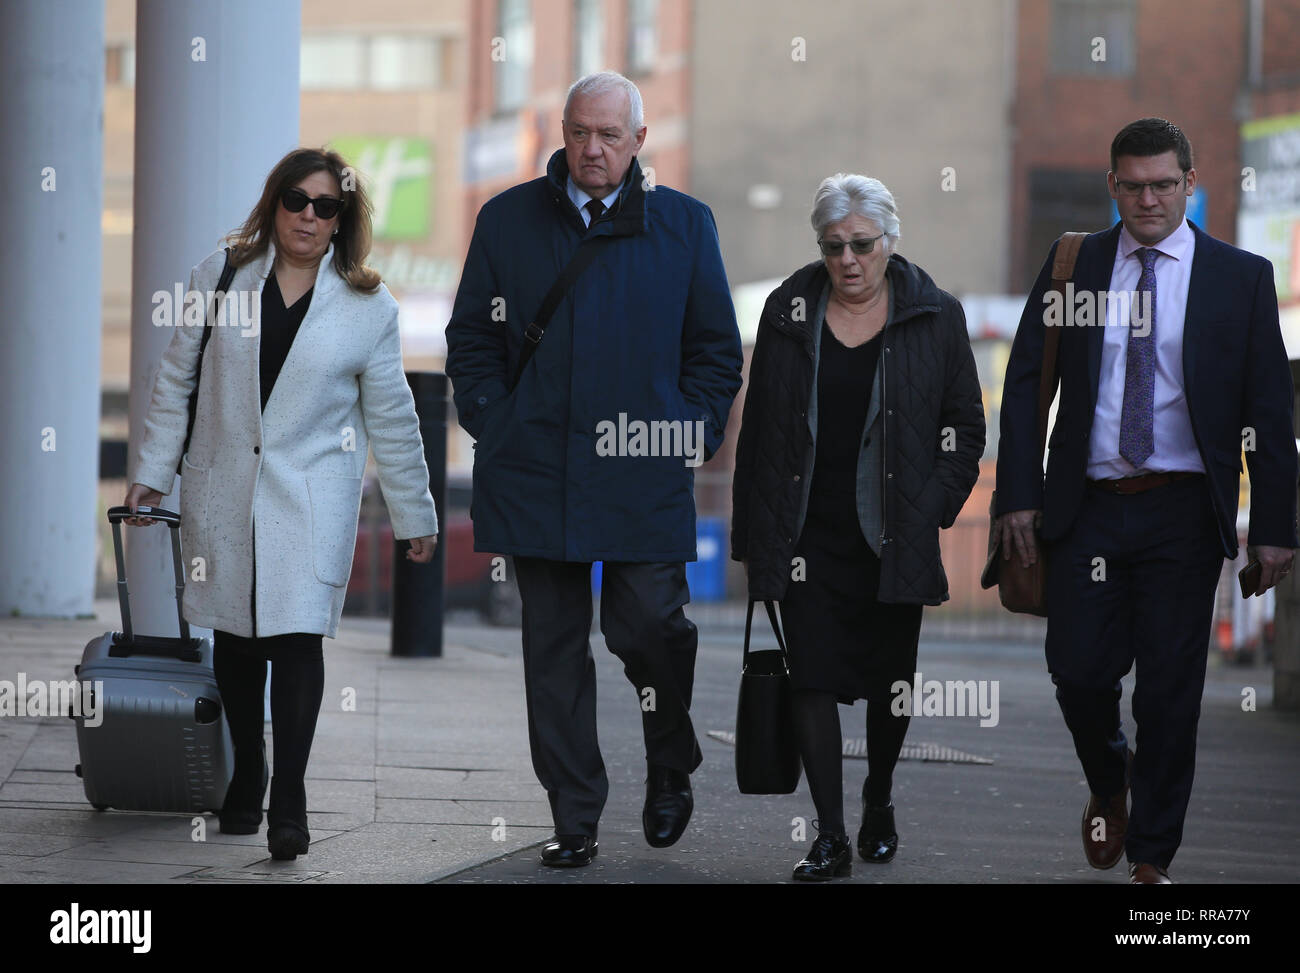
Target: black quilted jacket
{"x":930,"y":384}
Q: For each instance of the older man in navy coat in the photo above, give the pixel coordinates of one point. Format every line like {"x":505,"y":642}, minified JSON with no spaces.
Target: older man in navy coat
{"x":591,"y":456}
{"x":1140,"y":502}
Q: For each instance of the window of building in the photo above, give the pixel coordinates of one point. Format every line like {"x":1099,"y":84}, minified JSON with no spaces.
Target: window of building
{"x":642,"y":35}
{"x":1094,"y":38}
{"x":379,"y":62}
{"x":332,"y":61}
{"x":1061,"y":200}
{"x":119,"y":64}
{"x":588,"y":37}
{"x":398,"y":62}
{"x":514,"y":70}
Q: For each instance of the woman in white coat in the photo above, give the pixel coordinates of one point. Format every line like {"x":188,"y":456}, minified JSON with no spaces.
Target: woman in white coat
{"x":301,"y":374}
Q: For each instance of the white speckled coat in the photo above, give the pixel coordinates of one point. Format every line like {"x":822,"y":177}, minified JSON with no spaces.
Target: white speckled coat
{"x":284,"y":484}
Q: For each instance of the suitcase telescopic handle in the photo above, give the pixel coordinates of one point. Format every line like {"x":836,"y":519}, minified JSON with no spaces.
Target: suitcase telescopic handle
{"x":169,"y":517}
{"x":184,"y":649}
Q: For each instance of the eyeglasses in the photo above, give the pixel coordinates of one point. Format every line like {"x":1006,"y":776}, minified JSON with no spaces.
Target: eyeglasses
{"x":326,"y":207}
{"x":833,"y":248}
{"x":1162,"y":187}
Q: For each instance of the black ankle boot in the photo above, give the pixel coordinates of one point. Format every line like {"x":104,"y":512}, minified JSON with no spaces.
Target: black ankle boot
{"x":287,"y":836}
{"x":241,"y":811}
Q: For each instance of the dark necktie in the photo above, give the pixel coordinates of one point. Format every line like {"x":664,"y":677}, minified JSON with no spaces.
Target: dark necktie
{"x":595,"y":207}
{"x":1137,"y":419}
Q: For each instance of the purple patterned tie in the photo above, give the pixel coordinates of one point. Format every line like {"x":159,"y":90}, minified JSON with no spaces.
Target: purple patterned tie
{"x":1137,"y":420}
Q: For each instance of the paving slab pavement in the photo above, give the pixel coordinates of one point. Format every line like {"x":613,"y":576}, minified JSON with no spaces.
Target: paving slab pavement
{"x":428,"y":778}
{"x":419,"y":770}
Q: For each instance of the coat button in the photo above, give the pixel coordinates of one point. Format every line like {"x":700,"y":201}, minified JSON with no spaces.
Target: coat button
{"x":889,"y":476}
{"x":482,"y":400}
{"x":889,"y":412}
{"x":796,"y":478}
{"x":257,"y":449}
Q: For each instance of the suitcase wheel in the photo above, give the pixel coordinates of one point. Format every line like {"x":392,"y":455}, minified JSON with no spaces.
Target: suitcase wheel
{"x":77,"y":770}
{"x":100,"y":807}
{"x":206,"y":710}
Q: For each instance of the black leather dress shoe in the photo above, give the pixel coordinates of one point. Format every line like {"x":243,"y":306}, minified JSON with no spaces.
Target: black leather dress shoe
{"x":877,"y":838}
{"x":569,"y":851}
{"x":830,"y":857}
{"x":668,"y":805}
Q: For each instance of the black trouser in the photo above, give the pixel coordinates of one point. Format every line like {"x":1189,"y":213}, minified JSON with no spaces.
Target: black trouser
{"x":297,"y":686}
{"x":643,"y":623}
{"x":1160,"y":555}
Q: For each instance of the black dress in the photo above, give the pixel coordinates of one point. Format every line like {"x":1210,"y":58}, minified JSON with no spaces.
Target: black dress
{"x":840,"y":638}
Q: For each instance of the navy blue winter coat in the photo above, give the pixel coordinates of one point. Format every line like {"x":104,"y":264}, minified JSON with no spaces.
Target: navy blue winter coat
{"x":648,"y":331}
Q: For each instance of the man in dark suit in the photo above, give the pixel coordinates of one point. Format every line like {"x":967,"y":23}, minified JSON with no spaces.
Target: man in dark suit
{"x":1183,"y":366}
{"x":644,"y":339}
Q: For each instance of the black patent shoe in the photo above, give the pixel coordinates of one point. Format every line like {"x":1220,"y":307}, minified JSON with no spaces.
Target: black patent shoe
{"x":569,"y":851}
{"x":830,"y":857}
{"x":287,"y":836}
{"x":241,"y":811}
{"x":877,"y":838}
{"x":668,"y":805}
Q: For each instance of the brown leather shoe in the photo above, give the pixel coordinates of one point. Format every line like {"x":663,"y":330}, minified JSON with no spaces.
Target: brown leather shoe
{"x":1145,"y":874}
{"x":1114,"y":812}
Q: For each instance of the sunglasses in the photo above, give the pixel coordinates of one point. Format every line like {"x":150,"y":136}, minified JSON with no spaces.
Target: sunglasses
{"x":327,"y":207}
{"x":833,"y":248}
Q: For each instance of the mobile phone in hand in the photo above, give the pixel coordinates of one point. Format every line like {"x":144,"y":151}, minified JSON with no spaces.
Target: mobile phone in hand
{"x":1249,"y":578}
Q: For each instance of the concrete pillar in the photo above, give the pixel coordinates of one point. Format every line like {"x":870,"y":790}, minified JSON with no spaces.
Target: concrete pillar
{"x":51,"y":154}
{"x":216,"y":106}
{"x":1286,"y":646}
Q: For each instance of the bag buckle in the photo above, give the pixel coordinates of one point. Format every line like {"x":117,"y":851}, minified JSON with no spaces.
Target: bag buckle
{"x":533,"y":333}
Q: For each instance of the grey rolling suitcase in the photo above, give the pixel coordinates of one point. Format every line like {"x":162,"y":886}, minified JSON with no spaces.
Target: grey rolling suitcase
{"x":161,"y":743}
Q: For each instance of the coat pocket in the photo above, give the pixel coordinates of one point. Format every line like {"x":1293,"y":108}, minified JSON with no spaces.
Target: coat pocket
{"x":933,"y":499}
{"x":194,"y":509}
{"x":335,"y":506}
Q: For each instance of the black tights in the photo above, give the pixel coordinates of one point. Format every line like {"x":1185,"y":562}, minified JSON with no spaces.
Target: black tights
{"x":817,"y":726}
{"x":297,"y":687}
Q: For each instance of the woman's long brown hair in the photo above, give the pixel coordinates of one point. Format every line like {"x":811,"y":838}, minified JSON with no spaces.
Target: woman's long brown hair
{"x":352,"y":242}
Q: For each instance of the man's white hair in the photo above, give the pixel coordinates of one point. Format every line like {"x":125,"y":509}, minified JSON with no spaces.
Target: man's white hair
{"x":602,"y":81}
{"x":841,"y":194}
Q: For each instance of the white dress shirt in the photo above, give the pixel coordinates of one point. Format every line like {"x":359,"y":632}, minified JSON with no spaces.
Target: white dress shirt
{"x":1175,"y":445}
{"x":581,"y":198}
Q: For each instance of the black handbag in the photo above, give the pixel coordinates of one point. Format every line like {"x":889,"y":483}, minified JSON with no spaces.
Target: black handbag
{"x":767,"y":752}
{"x":227,"y":274}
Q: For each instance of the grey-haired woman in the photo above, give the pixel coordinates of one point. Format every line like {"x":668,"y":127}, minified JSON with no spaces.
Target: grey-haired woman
{"x":861,"y":437}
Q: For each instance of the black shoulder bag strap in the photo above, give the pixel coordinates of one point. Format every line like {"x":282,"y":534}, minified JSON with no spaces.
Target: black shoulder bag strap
{"x":227,"y":274}
{"x":579,"y":262}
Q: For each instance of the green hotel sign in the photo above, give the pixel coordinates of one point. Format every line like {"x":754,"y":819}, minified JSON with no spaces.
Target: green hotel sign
{"x":398,"y":173}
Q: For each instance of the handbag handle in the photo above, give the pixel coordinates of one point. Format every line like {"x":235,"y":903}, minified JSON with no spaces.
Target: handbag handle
{"x":209,"y":320}
{"x":776,"y":630}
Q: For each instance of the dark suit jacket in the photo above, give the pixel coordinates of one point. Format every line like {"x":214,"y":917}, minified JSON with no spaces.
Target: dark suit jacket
{"x":1235,"y":373}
